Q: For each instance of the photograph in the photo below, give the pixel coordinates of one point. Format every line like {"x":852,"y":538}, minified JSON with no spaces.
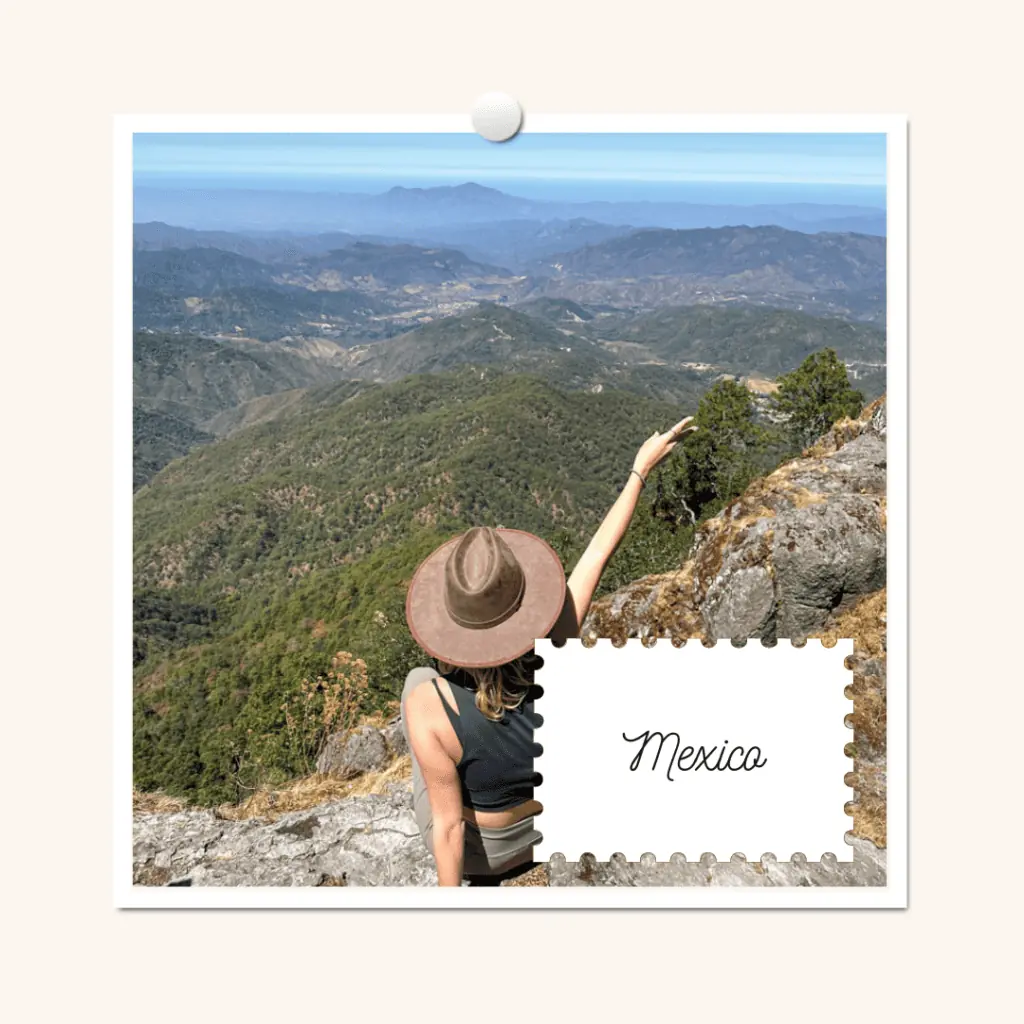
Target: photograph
{"x":405,"y":403}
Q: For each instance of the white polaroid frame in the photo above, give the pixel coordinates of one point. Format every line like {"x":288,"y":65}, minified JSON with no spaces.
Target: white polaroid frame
{"x":893,"y":895}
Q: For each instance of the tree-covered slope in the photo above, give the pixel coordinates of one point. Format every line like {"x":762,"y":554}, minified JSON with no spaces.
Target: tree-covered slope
{"x":348,"y":469}
{"x":182,"y":384}
{"x":497,"y":336}
{"x":846,"y":261}
{"x":825,"y":274}
{"x":259,"y":556}
{"x":742,"y":340}
{"x":159,"y":438}
{"x":194,"y":378}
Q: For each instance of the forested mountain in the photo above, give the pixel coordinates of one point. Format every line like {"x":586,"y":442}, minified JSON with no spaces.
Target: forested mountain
{"x":158,"y":438}
{"x":496,"y":336}
{"x":764,"y":342}
{"x":566,"y":343}
{"x":390,"y":266}
{"x":181,"y":382}
{"x":197,"y":271}
{"x":296,"y":538}
{"x":351,"y":467}
{"x":209,"y":291}
{"x":561,"y":312}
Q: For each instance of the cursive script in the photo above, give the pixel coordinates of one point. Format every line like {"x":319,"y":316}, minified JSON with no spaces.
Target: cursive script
{"x":690,"y":759}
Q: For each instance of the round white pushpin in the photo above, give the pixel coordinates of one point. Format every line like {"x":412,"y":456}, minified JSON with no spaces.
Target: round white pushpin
{"x":497,"y":117}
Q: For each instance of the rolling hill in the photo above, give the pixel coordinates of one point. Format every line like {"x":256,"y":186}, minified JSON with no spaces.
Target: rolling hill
{"x":499,"y":337}
{"x":832,"y":274}
{"x":743,"y":341}
{"x":196,"y":271}
{"x":182,"y":382}
{"x":391,"y":266}
{"x":561,"y":312}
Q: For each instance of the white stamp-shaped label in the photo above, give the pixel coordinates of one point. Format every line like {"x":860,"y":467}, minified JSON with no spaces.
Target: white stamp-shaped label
{"x":694,"y":750}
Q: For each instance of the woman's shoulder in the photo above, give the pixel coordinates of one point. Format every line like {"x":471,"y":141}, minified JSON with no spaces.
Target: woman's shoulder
{"x":425,"y":698}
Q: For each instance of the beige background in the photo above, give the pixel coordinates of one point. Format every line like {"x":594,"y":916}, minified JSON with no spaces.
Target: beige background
{"x":68,"y":67}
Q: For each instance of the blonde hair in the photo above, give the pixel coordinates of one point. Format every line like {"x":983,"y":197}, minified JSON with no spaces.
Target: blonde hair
{"x":500,"y":688}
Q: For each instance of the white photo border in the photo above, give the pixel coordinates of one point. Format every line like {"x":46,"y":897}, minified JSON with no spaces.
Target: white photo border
{"x":892,"y":895}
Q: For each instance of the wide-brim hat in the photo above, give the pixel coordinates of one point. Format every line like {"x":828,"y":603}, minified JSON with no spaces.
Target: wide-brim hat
{"x":483,"y":598}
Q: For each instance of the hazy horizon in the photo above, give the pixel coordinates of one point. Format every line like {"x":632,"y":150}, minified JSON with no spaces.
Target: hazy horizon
{"x":715,"y":169}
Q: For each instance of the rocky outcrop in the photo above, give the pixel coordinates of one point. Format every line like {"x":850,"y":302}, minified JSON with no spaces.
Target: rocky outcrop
{"x":799,"y":547}
{"x":370,"y":840}
{"x":373,"y":840}
{"x":364,"y":749}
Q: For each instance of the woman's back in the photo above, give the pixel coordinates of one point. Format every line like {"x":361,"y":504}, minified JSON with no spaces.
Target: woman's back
{"x":496,"y":768}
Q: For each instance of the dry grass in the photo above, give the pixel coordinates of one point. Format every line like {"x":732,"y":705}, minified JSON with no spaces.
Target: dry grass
{"x":801,"y":497}
{"x":156,"y":803}
{"x":760,"y":386}
{"x":843,"y":432}
{"x":865,"y":623}
{"x":313,"y":790}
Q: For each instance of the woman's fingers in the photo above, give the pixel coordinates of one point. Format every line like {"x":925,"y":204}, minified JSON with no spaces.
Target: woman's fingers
{"x":680,"y":426}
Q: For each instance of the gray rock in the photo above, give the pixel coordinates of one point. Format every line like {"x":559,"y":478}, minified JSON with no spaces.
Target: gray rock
{"x":348,"y":754}
{"x":824,"y":556}
{"x":371,"y":840}
{"x":395,"y":738}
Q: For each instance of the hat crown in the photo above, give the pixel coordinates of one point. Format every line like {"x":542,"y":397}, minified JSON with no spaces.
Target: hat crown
{"x":484,"y":582}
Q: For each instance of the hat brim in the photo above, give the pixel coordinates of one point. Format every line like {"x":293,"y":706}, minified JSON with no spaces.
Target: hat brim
{"x":443,"y":638}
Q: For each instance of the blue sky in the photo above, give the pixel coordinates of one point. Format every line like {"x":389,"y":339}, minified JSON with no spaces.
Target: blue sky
{"x":840,"y":167}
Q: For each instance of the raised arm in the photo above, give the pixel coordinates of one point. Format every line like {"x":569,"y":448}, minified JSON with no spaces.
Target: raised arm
{"x":587,"y":574}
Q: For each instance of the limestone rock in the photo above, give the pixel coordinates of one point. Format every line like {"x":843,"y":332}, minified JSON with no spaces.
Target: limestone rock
{"x":371,"y":840}
{"x":395,"y":738}
{"x":347,"y":754}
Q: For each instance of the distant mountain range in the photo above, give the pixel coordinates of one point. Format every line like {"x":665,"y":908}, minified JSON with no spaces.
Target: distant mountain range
{"x":189,"y":389}
{"x":400,"y":211}
{"x":571,"y":346}
{"x":832,"y":274}
{"x":363,"y":290}
{"x":216,"y":292}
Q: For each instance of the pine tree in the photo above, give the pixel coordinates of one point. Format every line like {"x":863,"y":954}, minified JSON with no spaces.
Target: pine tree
{"x":815,"y":395}
{"x":722,"y":456}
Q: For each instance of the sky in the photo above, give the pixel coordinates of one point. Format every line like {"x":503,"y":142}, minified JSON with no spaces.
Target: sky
{"x":752,"y":167}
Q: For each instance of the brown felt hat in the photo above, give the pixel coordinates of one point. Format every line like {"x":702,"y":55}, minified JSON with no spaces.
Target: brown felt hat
{"x":483,"y":598}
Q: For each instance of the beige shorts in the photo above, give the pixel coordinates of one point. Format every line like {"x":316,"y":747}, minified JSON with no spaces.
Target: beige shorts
{"x":488,"y":851}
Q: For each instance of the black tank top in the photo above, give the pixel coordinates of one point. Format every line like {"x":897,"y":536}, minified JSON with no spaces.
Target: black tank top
{"x":496,"y":768}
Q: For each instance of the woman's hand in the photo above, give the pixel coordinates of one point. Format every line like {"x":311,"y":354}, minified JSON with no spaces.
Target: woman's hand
{"x":658,"y":446}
